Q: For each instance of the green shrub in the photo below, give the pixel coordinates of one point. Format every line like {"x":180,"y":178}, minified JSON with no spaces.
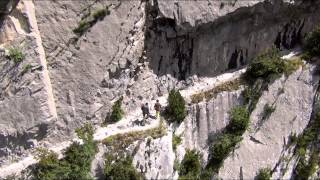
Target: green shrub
{"x":264,"y":174}
{"x":176,"y":140}
{"x":85,"y":132}
{"x":75,"y":164}
{"x":239,"y":120}
{"x":176,"y":109}
{"x":16,"y":55}
{"x":270,"y":66}
{"x":292,"y":65}
{"x":49,"y":166}
{"x":117,"y":112}
{"x":306,"y":169}
{"x":221,"y":149}
{"x":312,"y":45}
{"x":83,"y":27}
{"x":120,"y":169}
{"x":308,"y":140}
{"x":267,"y":111}
{"x":86,"y":23}
{"x":176,"y":165}
{"x":100,"y":13}
{"x":265,"y":65}
{"x":25,"y":69}
{"x":251,"y":95}
{"x":227,"y":141}
{"x":190,"y":166}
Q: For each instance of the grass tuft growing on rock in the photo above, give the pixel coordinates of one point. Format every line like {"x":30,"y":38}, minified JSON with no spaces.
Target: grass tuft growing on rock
{"x":122,"y":141}
{"x":16,"y":55}
{"x":176,"y":140}
{"x":86,"y":23}
{"x":212,"y":93}
{"x":267,"y":111}
{"x":25,"y":69}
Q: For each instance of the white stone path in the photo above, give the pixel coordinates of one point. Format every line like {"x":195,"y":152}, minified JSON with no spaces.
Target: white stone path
{"x":126,"y":124}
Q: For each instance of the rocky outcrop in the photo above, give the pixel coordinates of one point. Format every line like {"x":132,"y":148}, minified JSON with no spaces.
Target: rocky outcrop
{"x":140,"y":50}
{"x":155,"y":158}
{"x":205,"y":120}
{"x":201,"y":38}
{"x":26,"y":101}
{"x":266,"y":142}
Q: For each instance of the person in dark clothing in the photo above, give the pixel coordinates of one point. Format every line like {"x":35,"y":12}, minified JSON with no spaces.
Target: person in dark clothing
{"x":157,"y":107}
{"x":145,"y":110}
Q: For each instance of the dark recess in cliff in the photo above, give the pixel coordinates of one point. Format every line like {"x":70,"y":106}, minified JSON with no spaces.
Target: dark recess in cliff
{"x":230,"y":41}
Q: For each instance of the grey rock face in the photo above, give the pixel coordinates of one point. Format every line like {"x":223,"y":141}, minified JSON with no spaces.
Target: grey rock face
{"x":190,"y":38}
{"x":140,"y":51}
{"x":155,"y":158}
{"x":24,"y":110}
{"x":89,"y":73}
{"x":265,"y":142}
{"x":206,"y":119}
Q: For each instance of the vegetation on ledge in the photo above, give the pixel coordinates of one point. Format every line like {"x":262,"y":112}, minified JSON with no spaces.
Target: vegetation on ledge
{"x":262,"y":71}
{"x":176,"y":140}
{"x":117,"y":111}
{"x":232,"y":135}
{"x":176,"y":110}
{"x":312,"y":45}
{"x":190,"y":166}
{"x":16,"y":55}
{"x":122,"y":141}
{"x":76,"y":163}
{"x":264,"y":174}
{"x":307,"y":144}
{"x":212,"y":93}
{"x":120,"y":168}
{"x":86,"y":23}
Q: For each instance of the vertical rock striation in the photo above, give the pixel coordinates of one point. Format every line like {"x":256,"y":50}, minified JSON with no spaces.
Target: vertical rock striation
{"x":206,"y":38}
{"x":265,"y":142}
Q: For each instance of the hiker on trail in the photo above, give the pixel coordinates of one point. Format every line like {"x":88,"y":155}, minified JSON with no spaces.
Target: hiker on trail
{"x":145,"y":110}
{"x":157,"y":107}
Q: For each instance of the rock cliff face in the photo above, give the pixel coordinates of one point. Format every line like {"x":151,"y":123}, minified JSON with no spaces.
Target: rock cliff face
{"x":206,"y":119}
{"x":268,"y":139}
{"x":140,"y":50}
{"x":206,"y":38}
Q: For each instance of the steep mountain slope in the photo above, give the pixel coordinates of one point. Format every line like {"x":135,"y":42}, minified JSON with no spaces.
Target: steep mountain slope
{"x":64,"y":64}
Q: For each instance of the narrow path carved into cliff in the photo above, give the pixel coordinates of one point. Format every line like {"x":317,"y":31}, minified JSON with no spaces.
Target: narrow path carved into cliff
{"x":127,"y":124}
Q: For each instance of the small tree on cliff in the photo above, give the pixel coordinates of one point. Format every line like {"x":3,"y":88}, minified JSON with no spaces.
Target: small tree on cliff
{"x":176,"y":109}
{"x":117,"y":111}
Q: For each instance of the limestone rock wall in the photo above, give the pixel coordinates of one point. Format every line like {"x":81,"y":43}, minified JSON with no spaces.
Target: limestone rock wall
{"x":155,"y":158}
{"x":27,"y":107}
{"x":82,"y":70}
{"x":267,"y":141}
{"x":204,"y":39}
{"x":139,"y":51}
{"x":205,"y":120}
